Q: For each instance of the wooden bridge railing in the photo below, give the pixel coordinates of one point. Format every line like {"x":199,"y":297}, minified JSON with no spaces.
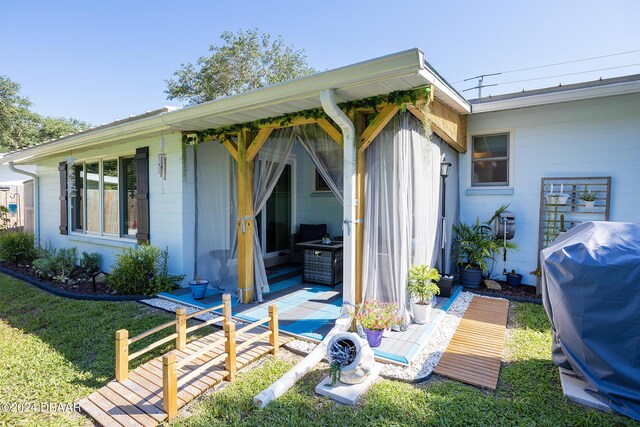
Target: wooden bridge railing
{"x":170,"y":366}
{"x":123,"y":342}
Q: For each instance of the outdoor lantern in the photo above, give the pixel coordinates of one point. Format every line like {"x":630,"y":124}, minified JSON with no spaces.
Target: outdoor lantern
{"x":444,"y":169}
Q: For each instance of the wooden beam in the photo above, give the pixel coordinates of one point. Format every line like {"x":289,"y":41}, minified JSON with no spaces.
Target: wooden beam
{"x":246,"y":220}
{"x":258,"y":142}
{"x":376,"y":126}
{"x":231,"y":147}
{"x":330,"y":129}
{"x":446,"y":123}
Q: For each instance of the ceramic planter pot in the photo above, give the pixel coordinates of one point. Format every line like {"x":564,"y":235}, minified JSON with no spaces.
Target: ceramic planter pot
{"x":589,"y":204}
{"x":374,"y":338}
{"x":198,"y":288}
{"x":421,"y":313}
{"x":514,"y":280}
{"x":557,"y":198}
{"x":471,"y":276}
{"x":445,"y":284}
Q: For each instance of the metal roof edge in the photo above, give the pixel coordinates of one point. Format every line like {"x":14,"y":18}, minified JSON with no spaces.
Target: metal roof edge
{"x":579,"y":91}
{"x":151,"y":121}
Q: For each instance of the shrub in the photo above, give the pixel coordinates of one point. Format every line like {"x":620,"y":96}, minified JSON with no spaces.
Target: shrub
{"x":4,"y":218}
{"x":17,"y":247}
{"x":57,"y":265}
{"x":142,"y":271}
{"x":90,"y":263}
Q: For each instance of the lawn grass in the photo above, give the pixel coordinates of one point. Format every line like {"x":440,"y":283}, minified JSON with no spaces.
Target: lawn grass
{"x":528,"y":394}
{"x":59,"y":350}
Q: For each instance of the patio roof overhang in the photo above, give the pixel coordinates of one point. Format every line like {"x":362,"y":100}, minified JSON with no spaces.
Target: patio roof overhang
{"x":399,"y":71}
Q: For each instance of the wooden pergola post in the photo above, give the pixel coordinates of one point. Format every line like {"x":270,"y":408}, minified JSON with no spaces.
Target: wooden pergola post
{"x":358,"y":122}
{"x":246,"y":221}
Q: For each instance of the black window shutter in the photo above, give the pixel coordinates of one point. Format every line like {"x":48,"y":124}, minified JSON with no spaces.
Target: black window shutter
{"x":64,"y":209}
{"x":142,"y":196}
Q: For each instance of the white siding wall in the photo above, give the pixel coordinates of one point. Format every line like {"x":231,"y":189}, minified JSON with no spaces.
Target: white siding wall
{"x":597,"y":137}
{"x":167,"y":227}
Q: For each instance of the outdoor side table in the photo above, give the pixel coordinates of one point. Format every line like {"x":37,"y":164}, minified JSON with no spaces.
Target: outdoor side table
{"x":322,"y":263}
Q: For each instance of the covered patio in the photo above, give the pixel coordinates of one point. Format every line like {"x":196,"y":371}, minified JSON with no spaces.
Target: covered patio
{"x":366,"y":131}
{"x":308,"y":311}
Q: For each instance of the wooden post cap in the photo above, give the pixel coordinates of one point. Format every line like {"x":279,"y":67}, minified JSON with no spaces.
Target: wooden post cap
{"x":169,"y":358}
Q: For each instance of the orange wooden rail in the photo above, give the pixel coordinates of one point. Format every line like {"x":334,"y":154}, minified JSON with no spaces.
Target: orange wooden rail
{"x":123,"y":342}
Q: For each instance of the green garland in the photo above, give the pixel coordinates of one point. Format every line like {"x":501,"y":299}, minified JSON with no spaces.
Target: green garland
{"x":400,"y":98}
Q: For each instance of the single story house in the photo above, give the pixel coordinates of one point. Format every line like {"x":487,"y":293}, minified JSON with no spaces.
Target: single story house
{"x":225,"y":184}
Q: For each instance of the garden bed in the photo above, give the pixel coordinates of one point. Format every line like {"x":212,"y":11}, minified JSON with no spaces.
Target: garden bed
{"x":522,"y":293}
{"x":82,"y":290}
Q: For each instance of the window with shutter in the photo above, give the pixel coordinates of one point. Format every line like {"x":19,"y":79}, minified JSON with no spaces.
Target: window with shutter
{"x":110,"y":197}
{"x":64,"y":218}
{"x":142,"y":196}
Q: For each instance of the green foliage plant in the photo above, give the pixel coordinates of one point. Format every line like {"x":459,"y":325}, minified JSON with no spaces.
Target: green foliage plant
{"x":4,"y":218}
{"x":421,"y":283}
{"x":57,"y":265}
{"x":142,"y":271}
{"x":474,"y":245}
{"x":90,"y":263}
{"x":17,"y":247}
{"x":586,"y":195}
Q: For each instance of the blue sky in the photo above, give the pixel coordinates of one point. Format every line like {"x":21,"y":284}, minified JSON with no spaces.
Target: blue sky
{"x":98,"y":61}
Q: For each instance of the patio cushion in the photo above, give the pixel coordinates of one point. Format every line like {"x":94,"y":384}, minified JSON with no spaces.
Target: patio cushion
{"x":308,"y":232}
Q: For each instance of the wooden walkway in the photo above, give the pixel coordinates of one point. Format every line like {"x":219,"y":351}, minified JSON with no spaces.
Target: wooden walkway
{"x":475,"y":351}
{"x":137,"y":401}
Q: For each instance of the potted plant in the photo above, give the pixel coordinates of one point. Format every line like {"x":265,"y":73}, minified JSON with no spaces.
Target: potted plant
{"x":198,"y":287}
{"x":514,"y":279}
{"x":376,"y":316}
{"x":473,"y":245}
{"x":587,"y":197}
{"x":422,"y":287}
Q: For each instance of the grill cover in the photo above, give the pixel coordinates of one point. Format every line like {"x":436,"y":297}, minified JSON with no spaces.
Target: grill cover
{"x":591,"y":293}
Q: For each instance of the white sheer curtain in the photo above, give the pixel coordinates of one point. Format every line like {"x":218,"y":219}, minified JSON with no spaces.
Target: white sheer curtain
{"x":326,"y":155}
{"x":402,"y":183}
{"x":216,"y":212}
{"x":267,"y":168}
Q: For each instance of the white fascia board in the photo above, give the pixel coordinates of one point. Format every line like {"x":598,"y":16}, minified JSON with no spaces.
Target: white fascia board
{"x":406,"y":63}
{"x":462,"y":104}
{"x":399,"y":64}
{"x":129,"y":130}
{"x":554,"y":98}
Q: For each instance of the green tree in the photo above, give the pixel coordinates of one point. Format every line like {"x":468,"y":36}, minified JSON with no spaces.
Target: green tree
{"x":20,"y":127}
{"x":246,"y":60}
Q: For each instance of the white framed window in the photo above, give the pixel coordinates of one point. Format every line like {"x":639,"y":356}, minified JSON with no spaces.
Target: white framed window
{"x":491,"y":160}
{"x":103,"y":201}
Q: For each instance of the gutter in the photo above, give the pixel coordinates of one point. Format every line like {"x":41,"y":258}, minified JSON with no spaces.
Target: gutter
{"x":36,"y":198}
{"x":329,"y":105}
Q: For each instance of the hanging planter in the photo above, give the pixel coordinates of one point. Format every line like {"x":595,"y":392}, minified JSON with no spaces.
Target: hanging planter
{"x":557,"y":198}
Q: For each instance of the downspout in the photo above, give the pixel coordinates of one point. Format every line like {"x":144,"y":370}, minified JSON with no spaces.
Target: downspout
{"x":330,"y":107}
{"x":36,"y":197}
